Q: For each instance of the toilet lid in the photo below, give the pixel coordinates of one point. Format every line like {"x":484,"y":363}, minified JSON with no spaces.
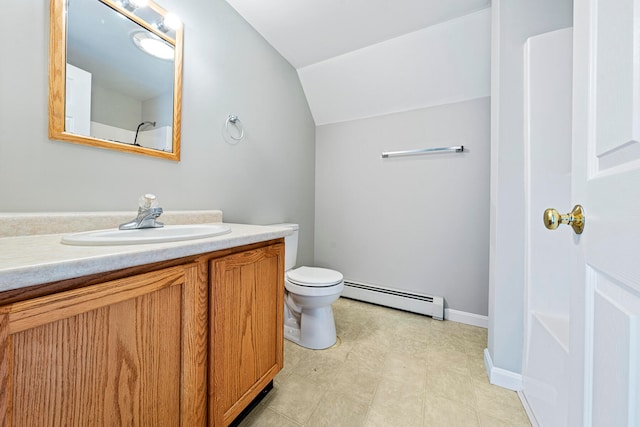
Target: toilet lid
{"x":314,"y":276}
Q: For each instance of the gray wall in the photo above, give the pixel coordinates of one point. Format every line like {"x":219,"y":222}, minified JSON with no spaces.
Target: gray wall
{"x":228,"y":69}
{"x":419,"y":224}
{"x":414,"y":223}
{"x":159,"y":109}
{"x":128,"y":115}
{"x":513,"y":22}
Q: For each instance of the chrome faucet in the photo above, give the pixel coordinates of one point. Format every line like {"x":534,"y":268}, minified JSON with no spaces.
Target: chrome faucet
{"x":148,"y":212}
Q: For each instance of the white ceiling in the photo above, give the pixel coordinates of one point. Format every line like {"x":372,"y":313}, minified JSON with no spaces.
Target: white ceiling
{"x":440,"y":64}
{"x":309,"y":31}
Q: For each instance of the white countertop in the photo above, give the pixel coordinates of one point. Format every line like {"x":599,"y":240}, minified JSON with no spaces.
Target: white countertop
{"x":38,"y":259}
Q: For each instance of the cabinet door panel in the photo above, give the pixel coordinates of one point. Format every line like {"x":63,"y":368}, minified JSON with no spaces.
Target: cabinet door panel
{"x":247,"y":330}
{"x":100,"y":366}
{"x":109,"y":354}
{"x":267,"y":298}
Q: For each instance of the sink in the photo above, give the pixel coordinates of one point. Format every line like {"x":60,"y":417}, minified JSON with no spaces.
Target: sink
{"x":168,"y":233}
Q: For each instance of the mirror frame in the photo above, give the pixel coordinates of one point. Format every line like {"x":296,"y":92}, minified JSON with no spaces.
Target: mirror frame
{"x":57,"y":81}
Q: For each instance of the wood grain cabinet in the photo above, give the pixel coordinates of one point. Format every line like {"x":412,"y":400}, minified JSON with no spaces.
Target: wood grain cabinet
{"x":124,"y":352}
{"x":246,"y":336}
{"x":184,"y":343}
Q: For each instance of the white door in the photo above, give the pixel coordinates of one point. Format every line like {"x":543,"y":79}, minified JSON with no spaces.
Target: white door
{"x":605,"y":291}
{"x":547,"y":94}
{"x":77,"y":109}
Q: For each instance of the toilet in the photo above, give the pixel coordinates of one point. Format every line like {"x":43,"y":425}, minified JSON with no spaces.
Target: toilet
{"x":309,"y":293}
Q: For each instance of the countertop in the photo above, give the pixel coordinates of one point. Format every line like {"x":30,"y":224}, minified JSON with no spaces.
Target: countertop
{"x":37,"y":259}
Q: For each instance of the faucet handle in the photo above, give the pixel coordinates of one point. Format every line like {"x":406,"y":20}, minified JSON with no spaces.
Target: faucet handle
{"x":147,"y":201}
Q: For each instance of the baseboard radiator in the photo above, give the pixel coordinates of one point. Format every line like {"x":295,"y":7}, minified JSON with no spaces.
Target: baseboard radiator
{"x":408,"y":301}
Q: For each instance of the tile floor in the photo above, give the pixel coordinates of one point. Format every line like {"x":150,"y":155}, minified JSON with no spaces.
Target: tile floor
{"x":389,"y":368}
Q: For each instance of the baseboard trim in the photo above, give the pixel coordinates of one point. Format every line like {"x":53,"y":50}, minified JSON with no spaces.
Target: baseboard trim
{"x":527,"y":409}
{"x":466,"y":318}
{"x":501,"y":377}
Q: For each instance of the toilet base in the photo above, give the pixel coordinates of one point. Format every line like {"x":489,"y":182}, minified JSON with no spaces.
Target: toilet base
{"x":313,"y":328}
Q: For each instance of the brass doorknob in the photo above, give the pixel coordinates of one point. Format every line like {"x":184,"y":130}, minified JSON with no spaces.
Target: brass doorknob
{"x":552,"y":219}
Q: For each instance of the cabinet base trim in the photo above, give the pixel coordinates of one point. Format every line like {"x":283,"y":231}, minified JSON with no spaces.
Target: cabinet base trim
{"x":252,"y":405}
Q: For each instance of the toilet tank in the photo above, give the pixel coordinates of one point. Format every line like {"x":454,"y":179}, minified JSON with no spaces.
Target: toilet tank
{"x":290,"y":246}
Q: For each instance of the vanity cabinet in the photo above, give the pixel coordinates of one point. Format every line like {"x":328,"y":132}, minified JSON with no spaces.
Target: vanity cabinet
{"x":184,"y":342}
{"x":246,"y":315}
{"x":124,"y":352}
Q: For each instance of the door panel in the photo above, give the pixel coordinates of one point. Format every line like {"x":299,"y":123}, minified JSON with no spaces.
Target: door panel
{"x":605,"y":294}
{"x":616,"y":339}
{"x":247,"y":305}
{"x":616,"y":77}
{"x":126,"y":352}
{"x":77,"y":113}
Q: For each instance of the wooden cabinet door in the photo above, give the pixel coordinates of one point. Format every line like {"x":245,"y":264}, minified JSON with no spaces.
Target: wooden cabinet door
{"x":247,"y":304}
{"x":127,"y":352}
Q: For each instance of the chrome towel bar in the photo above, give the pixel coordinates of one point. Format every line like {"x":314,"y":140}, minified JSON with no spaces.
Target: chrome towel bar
{"x":457,"y":149}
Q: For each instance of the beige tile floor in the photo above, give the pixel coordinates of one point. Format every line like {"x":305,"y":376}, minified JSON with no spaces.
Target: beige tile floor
{"x":389,"y":368}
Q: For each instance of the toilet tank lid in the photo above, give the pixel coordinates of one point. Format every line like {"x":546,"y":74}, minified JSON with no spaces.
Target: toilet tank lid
{"x":311,"y":276}
{"x":286,"y":225}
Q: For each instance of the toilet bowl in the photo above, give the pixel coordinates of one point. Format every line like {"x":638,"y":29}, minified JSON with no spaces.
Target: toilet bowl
{"x":309,"y":293}
{"x":308,"y":314}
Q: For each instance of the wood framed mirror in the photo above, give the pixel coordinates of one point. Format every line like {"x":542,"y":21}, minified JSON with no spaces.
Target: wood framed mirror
{"x":115,"y":76}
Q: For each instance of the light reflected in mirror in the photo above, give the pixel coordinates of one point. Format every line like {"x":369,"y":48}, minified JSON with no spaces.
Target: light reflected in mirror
{"x":116,"y":76}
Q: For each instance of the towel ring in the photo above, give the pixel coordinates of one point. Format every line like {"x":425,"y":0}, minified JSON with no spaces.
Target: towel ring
{"x":237,"y":123}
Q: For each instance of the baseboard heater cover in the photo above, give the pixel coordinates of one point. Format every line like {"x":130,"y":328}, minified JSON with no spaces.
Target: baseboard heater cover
{"x":403,"y":300}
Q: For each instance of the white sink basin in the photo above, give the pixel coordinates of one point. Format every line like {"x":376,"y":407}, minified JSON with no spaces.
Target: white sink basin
{"x":168,"y":233}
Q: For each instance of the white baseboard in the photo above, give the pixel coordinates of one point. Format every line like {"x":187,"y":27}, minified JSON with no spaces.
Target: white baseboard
{"x":527,"y":409}
{"x":466,"y":318}
{"x":501,"y":377}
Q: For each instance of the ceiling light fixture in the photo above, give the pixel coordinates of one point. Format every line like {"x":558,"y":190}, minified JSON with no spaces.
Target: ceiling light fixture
{"x":152,"y":45}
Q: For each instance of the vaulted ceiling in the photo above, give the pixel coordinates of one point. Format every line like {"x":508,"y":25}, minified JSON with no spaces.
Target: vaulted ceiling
{"x":310,"y":31}
{"x":365,"y":58}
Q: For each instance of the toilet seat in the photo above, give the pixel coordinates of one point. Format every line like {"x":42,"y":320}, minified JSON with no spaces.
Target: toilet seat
{"x":313,"y":281}
{"x":314,"y":277}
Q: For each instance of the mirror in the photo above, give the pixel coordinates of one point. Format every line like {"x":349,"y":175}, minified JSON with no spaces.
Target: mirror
{"x":115,"y":76}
